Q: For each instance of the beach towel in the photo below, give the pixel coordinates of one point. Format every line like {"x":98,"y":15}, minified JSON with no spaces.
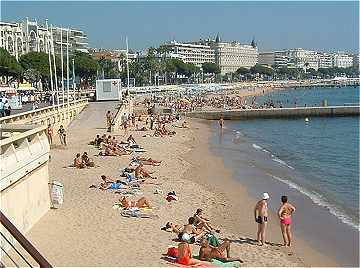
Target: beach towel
{"x":138,"y":214}
{"x":174,"y":262}
{"x":217,"y":263}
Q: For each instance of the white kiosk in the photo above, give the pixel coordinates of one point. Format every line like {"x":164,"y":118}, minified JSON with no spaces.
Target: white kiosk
{"x":108,"y":89}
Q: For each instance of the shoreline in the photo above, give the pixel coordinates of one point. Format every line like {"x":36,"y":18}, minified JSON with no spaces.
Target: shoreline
{"x":237,"y":194}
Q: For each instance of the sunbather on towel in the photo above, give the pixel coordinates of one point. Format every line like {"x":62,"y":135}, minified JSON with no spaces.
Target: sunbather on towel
{"x":109,"y":183}
{"x":207,"y":252}
{"x":170,"y":227}
{"x":78,"y":163}
{"x":202,"y":222}
{"x":147,"y":161}
{"x":140,"y":171}
{"x":141,"y":203}
{"x":86,"y":160}
{"x":190,"y":234}
{"x":185,"y":257}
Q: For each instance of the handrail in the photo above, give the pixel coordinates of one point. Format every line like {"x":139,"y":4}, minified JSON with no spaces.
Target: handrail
{"x":24,"y":242}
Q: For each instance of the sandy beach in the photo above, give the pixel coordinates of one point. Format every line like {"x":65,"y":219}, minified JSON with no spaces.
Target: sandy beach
{"x":87,"y":231}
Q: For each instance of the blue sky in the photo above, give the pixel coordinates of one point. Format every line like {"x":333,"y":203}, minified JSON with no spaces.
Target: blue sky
{"x":325,"y":26}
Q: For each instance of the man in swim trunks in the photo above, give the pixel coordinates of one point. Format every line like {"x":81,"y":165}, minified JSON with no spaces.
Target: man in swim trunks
{"x":261,"y":217}
{"x":208,"y":253}
{"x":284,"y":213}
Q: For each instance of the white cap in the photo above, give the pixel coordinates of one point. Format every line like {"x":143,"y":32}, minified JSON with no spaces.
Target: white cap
{"x":265,"y":196}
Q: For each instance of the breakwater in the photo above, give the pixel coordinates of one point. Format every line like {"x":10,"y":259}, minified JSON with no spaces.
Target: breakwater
{"x":277,"y":113}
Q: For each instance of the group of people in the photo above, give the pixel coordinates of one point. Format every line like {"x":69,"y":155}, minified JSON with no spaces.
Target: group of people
{"x":61,"y":132}
{"x":199,"y":229}
{"x":83,"y":161}
{"x":284,"y":213}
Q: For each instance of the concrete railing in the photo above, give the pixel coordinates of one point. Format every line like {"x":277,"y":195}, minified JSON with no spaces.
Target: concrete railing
{"x":55,"y":115}
{"x":278,"y":113}
{"x":24,"y":175}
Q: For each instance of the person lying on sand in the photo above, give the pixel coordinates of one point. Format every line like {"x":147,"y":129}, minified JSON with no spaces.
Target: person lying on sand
{"x":86,"y":160}
{"x":78,"y":163}
{"x":208,"y":253}
{"x":170,"y":227}
{"x":109,"y":183}
{"x":111,"y":150}
{"x":147,"y":161}
{"x":141,"y":203}
{"x":185,"y":257}
{"x":202,"y":222}
{"x":190,"y":233}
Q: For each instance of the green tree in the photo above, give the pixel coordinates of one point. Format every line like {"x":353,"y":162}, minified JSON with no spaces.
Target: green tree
{"x":210,"y":68}
{"x":38,"y":61}
{"x":262,"y":69}
{"x":242,"y":71}
{"x":110,"y":68}
{"x":32,"y":75}
{"x":85,"y":67}
{"x":9,"y":67}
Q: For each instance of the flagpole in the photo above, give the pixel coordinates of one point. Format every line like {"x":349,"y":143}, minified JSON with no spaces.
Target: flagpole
{"x":73,"y":77}
{"x":127,"y":65}
{"x":55,"y":75}
{"x":67,"y":67}
{"x":62,"y":67}
{"x":49,"y":57}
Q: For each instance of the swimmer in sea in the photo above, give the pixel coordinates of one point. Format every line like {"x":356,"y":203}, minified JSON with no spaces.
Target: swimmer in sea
{"x":221,"y":122}
{"x":284,"y":213}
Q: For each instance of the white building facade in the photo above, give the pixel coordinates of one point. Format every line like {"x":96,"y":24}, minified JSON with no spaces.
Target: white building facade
{"x":342,"y":60}
{"x":275,"y":58}
{"x":304,"y":59}
{"x":325,"y":60}
{"x":192,"y":53}
{"x":23,"y":37}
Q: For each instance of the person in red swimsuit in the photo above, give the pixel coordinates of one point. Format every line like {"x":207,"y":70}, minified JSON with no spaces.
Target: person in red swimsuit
{"x":185,"y":257}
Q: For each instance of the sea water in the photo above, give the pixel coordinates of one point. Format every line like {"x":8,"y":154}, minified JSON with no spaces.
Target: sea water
{"x":317,"y":159}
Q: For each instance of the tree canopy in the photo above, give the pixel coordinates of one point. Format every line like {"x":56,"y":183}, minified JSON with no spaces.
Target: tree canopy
{"x":85,"y":66}
{"x":210,"y":68}
{"x":38,"y":61}
{"x":242,"y":71}
{"x":8,"y":64}
{"x":262,"y":69}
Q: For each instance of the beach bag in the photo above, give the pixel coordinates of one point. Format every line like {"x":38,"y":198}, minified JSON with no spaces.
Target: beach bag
{"x":173,"y":252}
{"x":213,"y":241}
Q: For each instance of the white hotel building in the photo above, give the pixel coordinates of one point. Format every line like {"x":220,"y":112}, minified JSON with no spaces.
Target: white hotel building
{"x":192,"y":53}
{"x":342,"y":60}
{"x":229,"y":56}
{"x":23,"y":37}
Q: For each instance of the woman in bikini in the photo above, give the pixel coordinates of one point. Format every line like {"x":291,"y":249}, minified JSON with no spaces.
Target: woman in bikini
{"x":284,"y":213}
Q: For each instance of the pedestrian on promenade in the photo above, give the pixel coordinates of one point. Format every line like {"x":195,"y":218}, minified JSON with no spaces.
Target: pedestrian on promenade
{"x":285,"y":211}
{"x":50,"y":134}
{"x":109,"y":119}
{"x":2,"y":113}
{"x":7,"y":108}
{"x":62,"y":135}
{"x":261,"y":217}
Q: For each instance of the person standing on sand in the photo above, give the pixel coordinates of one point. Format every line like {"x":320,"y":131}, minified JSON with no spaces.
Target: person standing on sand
{"x":62,"y":135}
{"x":221,"y":122}
{"x":109,"y":119}
{"x":284,"y":213}
{"x":50,"y":134}
{"x":261,"y":217}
